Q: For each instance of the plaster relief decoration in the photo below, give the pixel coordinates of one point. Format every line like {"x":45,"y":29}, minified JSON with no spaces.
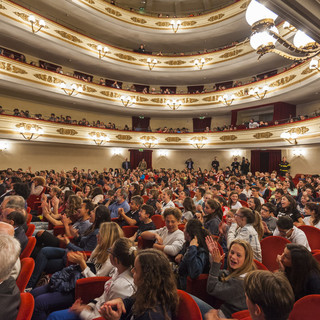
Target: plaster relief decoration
{"x":211,"y":99}
{"x":25,"y":17}
{"x":159,"y":100}
{"x":282,"y":81}
{"x":263,"y":135}
{"x":113,"y":12}
{"x":110,"y":94}
{"x":189,"y":100}
{"x":299,"y":130}
{"x":11,"y":68}
{"x":175,"y":62}
{"x":125,"y":56}
{"x":228,"y":138}
{"x":124,"y":137}
{"x":146,"y":61}
{"x":244,"y":5}
{"x":68,"y":36}
{"x":188,"y":23}
{"x":69,"y":132}
{"x":141,"y":99}
{"x":138,"y":20}
{"x":216,"y":17}
{"x":2,"y":7}
{"x":230,"y":54}
{"x":89,"y":1}
{"x":47,"y":78}
{"x":88,"y":89}
{"x":173,"y":139}
{"x":163,"y":24}
{"x":307,"y":71}
{"x":93,"y":46}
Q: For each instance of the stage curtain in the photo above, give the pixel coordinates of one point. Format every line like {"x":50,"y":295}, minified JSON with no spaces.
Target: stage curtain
{"x":255,"y":161}
{"x":274,"y":160}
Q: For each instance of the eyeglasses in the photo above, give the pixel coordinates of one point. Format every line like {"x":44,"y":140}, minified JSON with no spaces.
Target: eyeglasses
{"x":238,"y":215}
{"x":284,"y":232}
{"x":263,"y":209}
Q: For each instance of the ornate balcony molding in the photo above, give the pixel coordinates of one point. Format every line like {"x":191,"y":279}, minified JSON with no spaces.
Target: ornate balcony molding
{"x":252,"y":138}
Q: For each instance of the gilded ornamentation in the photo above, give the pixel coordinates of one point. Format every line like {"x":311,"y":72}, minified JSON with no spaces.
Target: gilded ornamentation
{"x":228,"y":138}
{"x":216,"y":17}
{"x":47,"y":78}
{"x":25,"y":17}
{"x":306,"y":71}
{"x":89,"y":89}
{"x":189,"y":100}
{"x":211,"y":98}
{"x":14,"y":69}
{"x":244,"y":5}
{"x":163,"y":24}
{"x":263,"y":135}
{"x":110,"y":94}
{"x":89,"y":1}
{"x":175,"y":62}
{"x":92,"y":45}
{"x":173,"y":139}
{"x":125,"y":56}
{"x":141,"y":99}
{"x":242,"y":92}
{"x":299,"y":130}
{"x":282,"y":81}
{"x":2,"y":7}
{"x":145,"y":61}
{"x":206,"y":60}
{"x":230,"y":54}
{"x":188,"y":23}
{"x":138,"y":20}
{"x":159,"y":100}
{"x":69,"y":132}
{"x":123,"y":137}
{"x":113,"y":12}
{"x":68,"y":36}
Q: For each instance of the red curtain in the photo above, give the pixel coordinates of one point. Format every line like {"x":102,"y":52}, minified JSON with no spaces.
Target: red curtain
{"x":199,"y":125}
{"x":140,"y":124}
{"x":282,"y":110}
{"x":255,"y":160}
{"x":234,"y":117}
{"x":136,"y":156}
{"x":274,"y":160}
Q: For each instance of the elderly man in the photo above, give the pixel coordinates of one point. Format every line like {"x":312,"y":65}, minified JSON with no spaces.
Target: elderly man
{"x":121,"y":202}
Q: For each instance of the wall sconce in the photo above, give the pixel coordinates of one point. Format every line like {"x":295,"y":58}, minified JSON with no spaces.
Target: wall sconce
{"x":173,"y":104}
{"x":198,"y":142}
{"x":149,"y":141}
{"x":29,"y":131}
{"x":151,"y":63}
{"x":314,"y":64}
{"x":175,"y":25}
{"x":102,"y":51}
{"x":236,"y":153}
{"x":116,"y":152}
{"x":200,"y":63}
{"x":4,"y":145}
{"x":128,"y":101}
{"x":163,"y":153}
{"x":290,"y":137}
{"x":259,"y":93}
{"x":41,"y":23}
{"x":298,"y":152}
{"x":71,"y":90}
{"x":288,"y":26}
{"x":226,"y":99}
{"x":99,"y":138}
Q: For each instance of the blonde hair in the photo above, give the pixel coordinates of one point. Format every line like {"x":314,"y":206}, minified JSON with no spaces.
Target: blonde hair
{"x":258,"y":225}
{"x":248,"y":264}
{"x":40,"y":180}
{"x":109,"y":232}
{"x":74,"y":203}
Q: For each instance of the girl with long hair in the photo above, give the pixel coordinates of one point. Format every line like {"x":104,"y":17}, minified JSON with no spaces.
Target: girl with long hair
{"x":254,"y":204}
{"x":312,"y":209}
{"x":233,"y":201}
{"x":99,"y":264}
{"x":212,"y":216}
{"x":189,"y":209}
{"x":154,"y":279}
{"x":289,"y":208}
{"x":301,"y":269}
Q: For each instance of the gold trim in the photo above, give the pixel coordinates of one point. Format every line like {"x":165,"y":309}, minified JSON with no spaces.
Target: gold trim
{"x":228,"y":138}
{"x":262,"y":135}
{"x":173,"y":139}
{"x":70,"y":132}
{"x":123,"y":137}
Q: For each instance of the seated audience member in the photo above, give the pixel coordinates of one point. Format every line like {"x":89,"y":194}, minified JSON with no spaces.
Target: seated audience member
{"x":55,"y":296}
{"x":154,"y":279}
{"x":9,"y":292}
{"x":198,"y":196}
{"x":269,"y":221}
{"x":256,"y":194}
{"x":189,"y":210}
{"x":131,"y":218}
{"x":254,"y":204}
{"x":212,"y":216}
{"x":120,"y":196}
{"x":286,"y":229}
{"x":269,"y":296}
{"x":121,"y":285}
{"x":312,"y":211}
{"x":289,"y":209}
{"x":153,"y":198}
{"x":97,"y":196}
{"x":301,"y":269}
{"x":37,"y":186}
{"x":276,"y":201}
{"x":227,"y":285}
{"x":169,"y":239}
{"x":166,"y":202}
{"x":145,"y":224}
{"x":193,"y":259}
{"x":243,"y":229}
{"x":233,"y":202}
{"x":17,"y":220}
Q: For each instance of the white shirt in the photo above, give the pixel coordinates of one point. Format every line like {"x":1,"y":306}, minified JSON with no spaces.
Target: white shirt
{"x":236,"y":206}
{"x":307,"y":221}
{"x":297,"y":236}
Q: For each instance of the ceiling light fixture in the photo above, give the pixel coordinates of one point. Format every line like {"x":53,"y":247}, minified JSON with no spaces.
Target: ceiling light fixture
{"x":258,"y":92}
{"x":151,"y":63}
{"x":226,"y":99}
{"x":265,"y":35}
{"x":29,"y":131}
{"x":198,"y":142}
{"x":149,"y":141}
{"x":99,"y":138}
{"x":200,"y":63}
{"x":128,"y":101}
{"x":102,"y":51}
{"x":40,"y":23}
{"x":175,"y":25}
{"x":173,"y":104}
{"x":73,"y":89}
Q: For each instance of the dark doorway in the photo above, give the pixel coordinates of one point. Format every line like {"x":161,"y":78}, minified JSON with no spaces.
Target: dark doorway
{"x":265,"y":160}
{"x":137,"y":155}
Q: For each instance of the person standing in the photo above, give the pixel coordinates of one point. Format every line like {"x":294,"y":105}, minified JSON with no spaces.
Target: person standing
{"x":189,"y":163}
{"x":215,"y":164}
{"x":235,"y":164}
{"x":142,"y":165}
{"x":284,"y":167}
{"x":126,"y":164}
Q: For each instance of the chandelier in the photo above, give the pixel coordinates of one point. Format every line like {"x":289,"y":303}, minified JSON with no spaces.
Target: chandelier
{"x":29,"y":131}
{"x":227,"y":99}
{"x":265,"y":35}
{"x":200,"y":63}
{"x":258,"y":92}
{"x":198,"y":142}
{"x":290,"y":137}
{"x":102,"y":51}
{"x":175,"y":25}
{"x":151,"y":63}
{"x":99,"y":138}
{"x":173,"y":104}
{"x":128,"y":101}
{"x":40,"y":23}
{"x":314,"y":64}
{"x":149,"y":141}
{"x":73,"y":89}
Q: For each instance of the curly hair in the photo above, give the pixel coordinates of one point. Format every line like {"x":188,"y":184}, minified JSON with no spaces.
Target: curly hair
{"x":158,"y":284}
{"x":74,"y":203}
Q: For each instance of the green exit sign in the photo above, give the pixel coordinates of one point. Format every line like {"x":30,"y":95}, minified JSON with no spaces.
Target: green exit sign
{"x":140,"y":150}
